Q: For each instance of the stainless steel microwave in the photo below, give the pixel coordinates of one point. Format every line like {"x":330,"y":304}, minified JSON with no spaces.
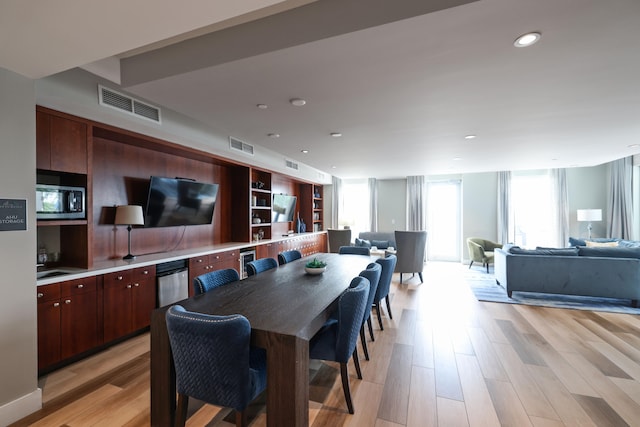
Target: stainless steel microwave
{"x":60,"y":202}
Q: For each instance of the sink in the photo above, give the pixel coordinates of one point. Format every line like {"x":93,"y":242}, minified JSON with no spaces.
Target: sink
{"x":50,"y":273}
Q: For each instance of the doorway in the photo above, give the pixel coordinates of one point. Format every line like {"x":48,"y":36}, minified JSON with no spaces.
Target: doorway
{"x":444,"y":220}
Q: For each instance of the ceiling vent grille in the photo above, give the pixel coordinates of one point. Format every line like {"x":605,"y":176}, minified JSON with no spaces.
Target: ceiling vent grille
{"x":236,"y":144}
{"x":111,"y":98}
{"x":292,"y":165}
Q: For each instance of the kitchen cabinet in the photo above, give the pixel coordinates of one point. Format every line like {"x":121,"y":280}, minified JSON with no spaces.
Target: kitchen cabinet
{"x":67,"y":320}
{"x":129,"y":297}
{"x":205,"y":263}
{"x":61,"y":144}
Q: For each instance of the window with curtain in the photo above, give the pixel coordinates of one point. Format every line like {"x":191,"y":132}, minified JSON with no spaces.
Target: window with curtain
{"x":355,"y":212}
{"x":534,"y":221}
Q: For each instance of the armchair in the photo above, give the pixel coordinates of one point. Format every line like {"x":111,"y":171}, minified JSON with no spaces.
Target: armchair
{"x":337,"y":238}
{"x":411,"y":252}
{"x":481,"y":250}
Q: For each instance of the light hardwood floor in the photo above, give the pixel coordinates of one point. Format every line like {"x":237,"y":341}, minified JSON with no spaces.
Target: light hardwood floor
{"x":444,"y":359}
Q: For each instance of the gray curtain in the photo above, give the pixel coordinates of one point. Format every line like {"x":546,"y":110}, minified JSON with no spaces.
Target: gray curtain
{"x":619,"y":220}
{"x":561,"y":201}
{"x":416,"y":203}
{"x":504,"y":208}
{"x":336,"y":201}
{"x":373,"y":204}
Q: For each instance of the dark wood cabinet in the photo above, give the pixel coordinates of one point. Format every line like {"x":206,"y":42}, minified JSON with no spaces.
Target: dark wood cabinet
{"x":61,"y":144}
{"x":67,"y":320}
{"x":128,"y":299}
{"x":205,"y":263}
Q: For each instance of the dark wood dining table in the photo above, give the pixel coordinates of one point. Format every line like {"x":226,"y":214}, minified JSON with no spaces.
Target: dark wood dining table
{"x":286,"y":307}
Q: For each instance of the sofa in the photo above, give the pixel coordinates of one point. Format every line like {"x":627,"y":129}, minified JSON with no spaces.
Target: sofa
{"x":610,"y":272}
{"x":379,"y":239}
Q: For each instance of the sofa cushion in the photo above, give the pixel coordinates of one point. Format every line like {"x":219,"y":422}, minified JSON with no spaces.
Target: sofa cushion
{"x":591,"y":244}
{"x":610,"y":252}
{"x":629,"y":243}
{"x":380,"y":244}
{"x":516,"y":250}
{"x":363,"y":242}
{"x":576,"y":242}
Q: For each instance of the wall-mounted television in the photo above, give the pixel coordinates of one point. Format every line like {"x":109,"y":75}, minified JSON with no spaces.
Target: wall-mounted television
{"x":282,"y":208}
{"x":179,"y":201}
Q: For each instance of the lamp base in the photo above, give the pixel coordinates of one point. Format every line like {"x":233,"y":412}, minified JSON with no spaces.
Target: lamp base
{"x":129,"y":256}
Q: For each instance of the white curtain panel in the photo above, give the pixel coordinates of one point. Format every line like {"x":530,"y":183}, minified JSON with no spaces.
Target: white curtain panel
{"x":416,"y":203}
{"x":505,"y":217}
{"x":336,"y":201}
{"x":619,"y":221}
{"x":561,"y":198}
{"x":373,"y":204}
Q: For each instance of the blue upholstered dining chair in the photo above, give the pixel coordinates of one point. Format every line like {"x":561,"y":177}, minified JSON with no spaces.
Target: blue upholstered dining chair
{"x":384,"y":285}
{"x":288,"y":256}
{"x":213,"y":279}
{"x":354,"y":250}
{"x":260,"y":265}
{"x":372,"y":273}
{"x":337,"y":341}
{"x":214,"y":361}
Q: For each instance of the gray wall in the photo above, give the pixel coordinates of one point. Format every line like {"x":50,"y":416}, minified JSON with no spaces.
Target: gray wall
{"x":19,"y":393}
{"x":587,"y":189}
{"x":392,"y":202}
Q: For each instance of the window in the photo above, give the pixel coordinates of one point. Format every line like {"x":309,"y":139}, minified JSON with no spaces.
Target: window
{"x":355,"y":213}
{"x":533,"y":209}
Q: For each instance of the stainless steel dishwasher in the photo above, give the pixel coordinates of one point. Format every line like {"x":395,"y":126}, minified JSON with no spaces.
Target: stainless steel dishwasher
{"x":173,"y":281}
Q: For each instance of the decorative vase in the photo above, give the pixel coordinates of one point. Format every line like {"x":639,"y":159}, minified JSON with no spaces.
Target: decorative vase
{"x":297,"y":224}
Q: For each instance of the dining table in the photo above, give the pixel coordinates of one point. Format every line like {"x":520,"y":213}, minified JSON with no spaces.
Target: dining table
{"x":285,"y":306}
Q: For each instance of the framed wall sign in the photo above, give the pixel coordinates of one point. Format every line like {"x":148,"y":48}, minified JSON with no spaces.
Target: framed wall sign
{"x":13,"y":214}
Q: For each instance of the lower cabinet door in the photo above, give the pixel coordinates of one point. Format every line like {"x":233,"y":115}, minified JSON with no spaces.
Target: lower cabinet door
{"x":48,"y":333}
{"x":79,"y":324}
{"x":117,"y":309}
{"x":143,"y":303}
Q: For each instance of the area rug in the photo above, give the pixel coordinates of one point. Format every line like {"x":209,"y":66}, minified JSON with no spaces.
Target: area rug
{"x":486,"y":289}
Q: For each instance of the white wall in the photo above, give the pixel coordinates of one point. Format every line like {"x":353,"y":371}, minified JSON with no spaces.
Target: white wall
{"x":479,"y":208}
{"x":19,"y":393}
{"x":392,"y":204}
{"x":587,"y":189}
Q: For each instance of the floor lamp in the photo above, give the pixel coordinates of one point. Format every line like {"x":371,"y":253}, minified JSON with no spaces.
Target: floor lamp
{"x":589,"y":215}
{"x":129,"y":215}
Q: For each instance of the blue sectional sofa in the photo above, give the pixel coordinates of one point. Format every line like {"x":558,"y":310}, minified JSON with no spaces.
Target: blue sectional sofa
{"x":610,"y":272}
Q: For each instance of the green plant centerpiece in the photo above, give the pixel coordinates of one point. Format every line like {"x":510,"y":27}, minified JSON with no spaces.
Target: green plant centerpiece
{"x":315,"y":266}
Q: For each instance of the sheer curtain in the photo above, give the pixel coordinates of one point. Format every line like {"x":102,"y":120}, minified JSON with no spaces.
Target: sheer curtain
{"x":416,"y":203}
{"x":619,"y":221}
{"x":336,"y":200}
{"x":561,"y":198}
{"x":373,"y":204}
{"x":505,"y":233}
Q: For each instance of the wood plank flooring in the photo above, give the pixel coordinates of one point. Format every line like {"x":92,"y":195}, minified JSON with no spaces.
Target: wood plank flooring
{"x":444,"y":359}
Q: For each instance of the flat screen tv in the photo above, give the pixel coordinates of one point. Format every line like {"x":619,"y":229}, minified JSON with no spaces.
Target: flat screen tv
{"x":179,"y":201}
{"x":282,"y":208}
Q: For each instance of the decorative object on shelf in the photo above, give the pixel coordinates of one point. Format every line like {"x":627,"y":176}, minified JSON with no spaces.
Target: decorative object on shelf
{"x":258,"y":184}
{"x":589,"y":215}
{"x":129,"y":215}
{"x":297,"y":224}
{"x":256,"y":219}
{"x":260,"y":234}
{"x":315,"y":266}
{"x":302,"y":227}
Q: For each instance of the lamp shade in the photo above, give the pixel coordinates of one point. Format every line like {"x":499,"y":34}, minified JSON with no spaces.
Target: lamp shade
{"x":129,"y":215}
{"x":589,"y":215}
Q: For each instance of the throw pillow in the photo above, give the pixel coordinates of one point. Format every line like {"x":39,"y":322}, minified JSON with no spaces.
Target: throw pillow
{"x":380,"y":244}
{"x":591,"y":244}
{"x":362,"y":242}
{"x":576,"y":242}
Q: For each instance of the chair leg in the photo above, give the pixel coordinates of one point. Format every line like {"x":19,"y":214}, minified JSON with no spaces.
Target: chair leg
{"x":364,"y":342}
{"x":470,"y":264}
{"x":420,"y":275}
{"x":241,"y":419}
{"x":370,"y":329}
{"x":487,"y":268}
{"x":379,"y":316}
{"x":181,"y":410}
{"x":388,"y":307}
{"x":345,"y":386}
{"x":400,"y":278}
{"x":356,"y":362}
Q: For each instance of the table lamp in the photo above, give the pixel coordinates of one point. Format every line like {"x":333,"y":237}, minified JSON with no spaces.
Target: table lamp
{"x":589,"y":215}
{"x":129,"y":215}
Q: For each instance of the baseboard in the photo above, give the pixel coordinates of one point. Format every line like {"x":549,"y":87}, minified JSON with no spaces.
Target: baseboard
{"x":21,"y":407}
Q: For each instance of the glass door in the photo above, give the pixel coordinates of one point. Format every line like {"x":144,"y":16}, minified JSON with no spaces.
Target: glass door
{"x":444,"y":220}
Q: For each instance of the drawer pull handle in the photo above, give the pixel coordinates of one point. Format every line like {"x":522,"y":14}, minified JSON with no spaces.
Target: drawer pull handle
{"x":67,"y":301}
{"x":200,"y":260}
{"x":40,"y":294}
{"x":128,"y":286}
{"x":80,"y":286}
{"x":56,"y":304}
{"x":119,"y":277}
{"x":145,"y":272}
{"x":136,"y":284}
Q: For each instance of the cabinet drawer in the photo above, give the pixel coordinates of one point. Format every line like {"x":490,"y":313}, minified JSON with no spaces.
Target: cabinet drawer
{"x":48,"y":292}
{"x":78,"y":286}
{"x":144,"y":273}
{"x":117,"y":279}
{"x":197,"y":262}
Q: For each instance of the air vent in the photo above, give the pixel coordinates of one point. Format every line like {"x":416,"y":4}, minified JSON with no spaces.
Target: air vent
{"x":320,"y":176}
{"x":292,"y":165}
{"x":127,"y":104}
{"x":236,"y":144}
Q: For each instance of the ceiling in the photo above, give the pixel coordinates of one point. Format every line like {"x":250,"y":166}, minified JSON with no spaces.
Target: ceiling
{"x":403,"y":82}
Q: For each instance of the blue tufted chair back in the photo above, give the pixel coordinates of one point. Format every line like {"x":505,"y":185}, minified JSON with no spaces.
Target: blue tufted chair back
{"x":213,"y":279}
{"x":351,"y":307}
{"x":288,"y":256}
{"x":372,"y":273}
{"x":260,"y":265}
{"x":388,"y":266}
{"x":354,"y":250}
{"x":213,"y":359}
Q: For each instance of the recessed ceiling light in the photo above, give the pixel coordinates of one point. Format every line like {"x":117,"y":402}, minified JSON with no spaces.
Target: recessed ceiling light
{"x":305,"y":151}
{"x":527,"y":39}
{"x":633,"y":145}
{"x":469,"y":137}
{"x":457,"y":159}
{"x":334,"y":167}
{"x":298,"y":102}
{"x":262,"y":106}
{"x":336,"y":134}
{"x":273,"y":135}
